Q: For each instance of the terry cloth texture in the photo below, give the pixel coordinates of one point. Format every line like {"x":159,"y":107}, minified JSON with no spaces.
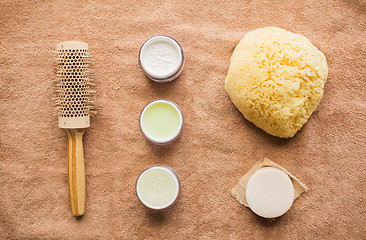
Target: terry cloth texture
{"x":217,"y":143}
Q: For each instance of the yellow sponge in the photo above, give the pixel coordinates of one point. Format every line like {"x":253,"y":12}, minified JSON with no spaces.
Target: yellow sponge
{"x":276,"y":79}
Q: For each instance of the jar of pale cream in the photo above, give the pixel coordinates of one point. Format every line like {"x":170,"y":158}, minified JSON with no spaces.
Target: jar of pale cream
{"x":161,"y":58}
{"x":158,"y":187}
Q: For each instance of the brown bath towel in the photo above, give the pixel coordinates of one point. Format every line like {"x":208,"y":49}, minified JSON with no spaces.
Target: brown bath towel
{"x":217,"y":145}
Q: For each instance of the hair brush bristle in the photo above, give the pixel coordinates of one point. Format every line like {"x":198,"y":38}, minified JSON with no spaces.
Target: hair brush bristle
{"x":75,"y":98}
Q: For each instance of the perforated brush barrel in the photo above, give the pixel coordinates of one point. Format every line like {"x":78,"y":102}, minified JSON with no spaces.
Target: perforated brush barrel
{"x":73,"y":85}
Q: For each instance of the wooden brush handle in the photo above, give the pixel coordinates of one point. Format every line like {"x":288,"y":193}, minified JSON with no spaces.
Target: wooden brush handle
{"x":76,"y":170}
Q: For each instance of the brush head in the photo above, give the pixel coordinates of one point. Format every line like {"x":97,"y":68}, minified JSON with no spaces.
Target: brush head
{"x":75,"y":98}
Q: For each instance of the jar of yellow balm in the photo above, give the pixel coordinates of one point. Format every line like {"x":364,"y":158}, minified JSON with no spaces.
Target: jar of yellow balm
{"x":161,"y":121}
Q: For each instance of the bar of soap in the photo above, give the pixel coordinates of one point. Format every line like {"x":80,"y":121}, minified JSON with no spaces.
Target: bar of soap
{"x":269,"y":192}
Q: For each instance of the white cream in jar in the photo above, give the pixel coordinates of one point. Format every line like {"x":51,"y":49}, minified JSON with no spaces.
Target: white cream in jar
{"x":161,"y":58}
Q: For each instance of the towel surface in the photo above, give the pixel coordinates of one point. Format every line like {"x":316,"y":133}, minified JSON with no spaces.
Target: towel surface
{"x":217,"y":144}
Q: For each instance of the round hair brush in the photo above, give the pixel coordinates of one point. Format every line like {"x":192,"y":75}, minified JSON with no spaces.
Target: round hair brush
{"x":75,"y":104}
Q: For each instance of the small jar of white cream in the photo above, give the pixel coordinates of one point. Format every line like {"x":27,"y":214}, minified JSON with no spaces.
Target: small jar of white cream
{"x":161,"y":58}
{"x":158,"y":187}
{"x":269,"y":192}
{"x":161,"y":121}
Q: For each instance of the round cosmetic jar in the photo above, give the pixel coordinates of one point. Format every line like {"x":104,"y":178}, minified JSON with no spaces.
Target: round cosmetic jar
{"x":158,"y":187}
{"x":161,"y":58}
{"x":161,"y":121}
{"x":269,"y":192}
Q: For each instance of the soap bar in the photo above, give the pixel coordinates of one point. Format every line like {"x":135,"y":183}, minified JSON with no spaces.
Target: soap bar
{"x":239,"y":190}
{"x":269,"y":192}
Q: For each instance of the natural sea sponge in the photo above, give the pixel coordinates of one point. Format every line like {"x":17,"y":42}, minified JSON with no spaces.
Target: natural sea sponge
{"x":276,"y":79}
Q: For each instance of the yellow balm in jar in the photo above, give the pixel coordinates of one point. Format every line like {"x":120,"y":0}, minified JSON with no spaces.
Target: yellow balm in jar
{"x":161,"y":121}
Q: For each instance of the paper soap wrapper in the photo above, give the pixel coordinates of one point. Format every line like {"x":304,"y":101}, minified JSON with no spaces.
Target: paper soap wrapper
{"x":239,"y":190}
